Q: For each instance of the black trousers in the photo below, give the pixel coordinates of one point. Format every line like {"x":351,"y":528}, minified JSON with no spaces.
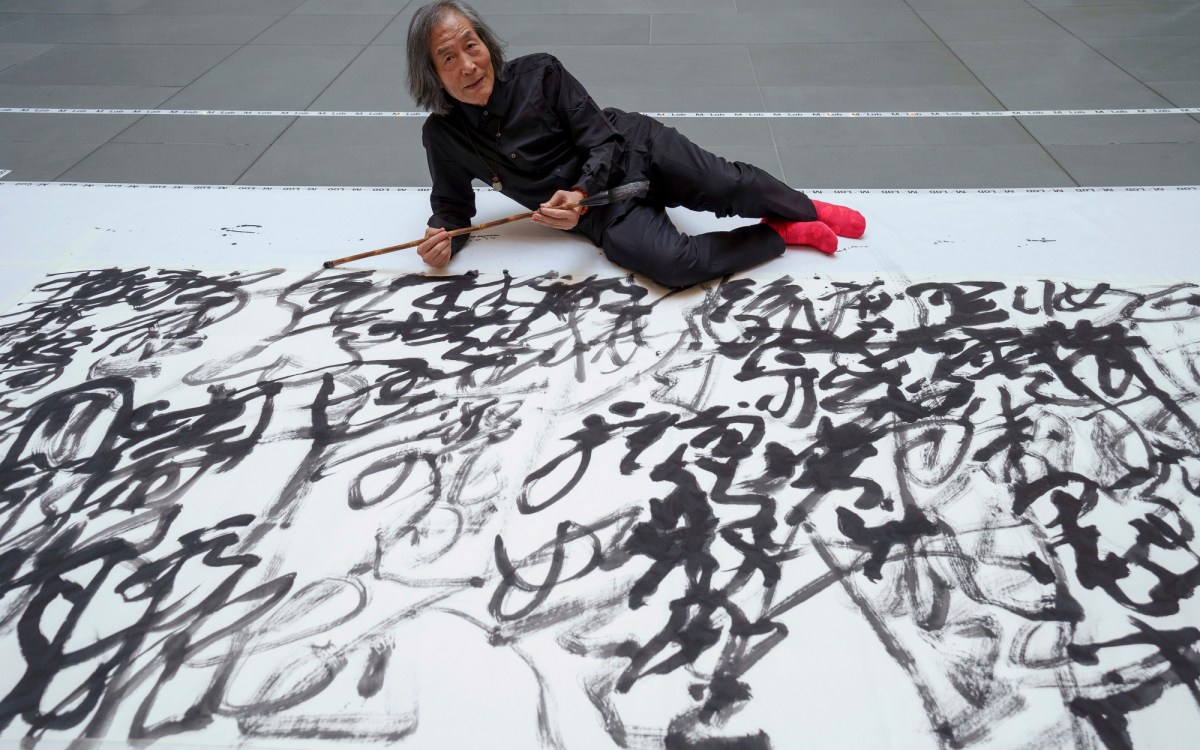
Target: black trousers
{"x":643,"y":239}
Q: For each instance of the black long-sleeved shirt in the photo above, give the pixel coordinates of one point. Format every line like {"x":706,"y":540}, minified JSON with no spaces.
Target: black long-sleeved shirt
{"x":539,"y":132}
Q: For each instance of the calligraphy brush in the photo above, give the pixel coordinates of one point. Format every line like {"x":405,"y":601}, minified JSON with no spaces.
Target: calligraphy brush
{"x":620,"y":193}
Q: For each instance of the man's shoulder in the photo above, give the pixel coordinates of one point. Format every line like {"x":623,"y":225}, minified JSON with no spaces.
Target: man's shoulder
{"x":437,"y":126}
{"x":533,"y":63}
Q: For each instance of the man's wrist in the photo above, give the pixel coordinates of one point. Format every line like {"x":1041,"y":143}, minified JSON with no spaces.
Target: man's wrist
{"x":583,"y":194}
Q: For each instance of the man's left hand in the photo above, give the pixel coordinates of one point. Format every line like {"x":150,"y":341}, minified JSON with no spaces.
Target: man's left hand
{"x":560,"y":218}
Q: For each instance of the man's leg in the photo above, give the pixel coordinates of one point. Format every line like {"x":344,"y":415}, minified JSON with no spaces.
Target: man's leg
{"x":683,"y":174}
{"x":644,"y":240}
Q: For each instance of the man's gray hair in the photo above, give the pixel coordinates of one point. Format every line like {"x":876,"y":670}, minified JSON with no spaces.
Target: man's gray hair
{"x":423,"y":82}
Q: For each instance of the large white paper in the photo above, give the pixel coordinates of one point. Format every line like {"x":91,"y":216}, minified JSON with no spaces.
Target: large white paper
{"x":273,"y":507}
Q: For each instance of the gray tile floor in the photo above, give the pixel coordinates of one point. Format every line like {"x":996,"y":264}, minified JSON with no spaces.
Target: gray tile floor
{"x":647,"y":55}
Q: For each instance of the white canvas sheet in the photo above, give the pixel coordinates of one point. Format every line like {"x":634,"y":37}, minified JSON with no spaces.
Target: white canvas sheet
{"x":1143,"y":233}
{"x":939,"y":490}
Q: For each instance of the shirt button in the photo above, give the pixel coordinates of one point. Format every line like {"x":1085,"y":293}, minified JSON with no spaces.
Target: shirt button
{"x":514,"y":156}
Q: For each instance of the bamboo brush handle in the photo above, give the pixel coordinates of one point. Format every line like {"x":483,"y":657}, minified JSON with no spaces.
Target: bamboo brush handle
{"x":453,"y":233}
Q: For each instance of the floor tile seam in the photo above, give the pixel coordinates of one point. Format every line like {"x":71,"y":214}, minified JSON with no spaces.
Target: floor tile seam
{"x":1147,"y":37}
{"x":1122,"y":144}
{"x":1114,"y":4}
{"x":85,"y":157}
{"x":543,"y":48}
{"x":1124,"y":3}
{"x":991,"y":93}
{"x":269,"y":27}
{"x":49,"y":47}
{"x":161,"y":44}
{"x":796,"y":44}
{"x":237,"y":49}
{"x":101,"y":145}
{"x":1149,"y":8}
{"x":6,"y":25}
{"x":1114,"y":63}
{"x":762,"y":102}
{"x":955,"y":146}
{"x":55,"y":45}
{"x":1153,"y":87}
{"x":318,"y":44}
{"x":7,"y":139}
{"x":661,"y":45}
{"x":31,"y":14}
{"x":348,"y":65}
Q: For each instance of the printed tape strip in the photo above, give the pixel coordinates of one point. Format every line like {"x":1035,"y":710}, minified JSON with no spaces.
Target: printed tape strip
{"x":810,"y":191}
{"x":715,"y":115}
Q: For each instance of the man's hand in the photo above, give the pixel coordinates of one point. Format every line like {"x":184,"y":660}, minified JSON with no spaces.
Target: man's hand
{"x":435,"y":250}
{"x":560,"y":218}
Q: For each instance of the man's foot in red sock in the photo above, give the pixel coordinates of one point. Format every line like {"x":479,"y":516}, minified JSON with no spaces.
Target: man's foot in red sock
{"x":845,"y":222}
{"x":811,"y":233}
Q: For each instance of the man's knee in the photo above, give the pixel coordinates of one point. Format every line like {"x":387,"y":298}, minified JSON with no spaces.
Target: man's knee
{"x":726,"y":190}
{"x":679,"y":280}
{"x":681,"y":269}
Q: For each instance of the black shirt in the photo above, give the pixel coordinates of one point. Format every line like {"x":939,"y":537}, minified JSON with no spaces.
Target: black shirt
{"x":539,"y":132}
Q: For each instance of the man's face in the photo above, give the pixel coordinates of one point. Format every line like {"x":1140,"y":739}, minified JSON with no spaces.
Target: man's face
{"x":462,"y":61}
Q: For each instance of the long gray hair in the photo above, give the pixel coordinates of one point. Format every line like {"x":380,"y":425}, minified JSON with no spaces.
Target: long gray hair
{"x":423,"y":82}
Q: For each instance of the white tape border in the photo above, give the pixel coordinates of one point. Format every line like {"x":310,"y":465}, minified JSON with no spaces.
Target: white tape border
{"x":809,"y":191}
{"x":702,"y":115}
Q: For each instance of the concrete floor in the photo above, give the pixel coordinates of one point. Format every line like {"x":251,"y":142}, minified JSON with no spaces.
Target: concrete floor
{"x":647,"y":55}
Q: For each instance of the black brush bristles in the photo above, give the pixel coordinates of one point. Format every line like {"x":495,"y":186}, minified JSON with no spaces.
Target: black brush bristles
{"x":619,"y":193}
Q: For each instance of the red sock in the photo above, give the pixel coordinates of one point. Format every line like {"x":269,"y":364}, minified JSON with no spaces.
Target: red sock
{"x":845,"y":222}
{"x":811,"y":233}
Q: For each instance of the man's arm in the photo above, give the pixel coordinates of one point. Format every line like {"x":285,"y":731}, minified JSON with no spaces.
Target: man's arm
{"x":435,"y":250}
{"x":560,"y":218}
{"x":590,"y":129}
{"x":452,"y":199}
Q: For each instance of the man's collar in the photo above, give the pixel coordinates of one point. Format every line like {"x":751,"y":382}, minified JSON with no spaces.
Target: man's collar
{"x":498,"y":102}
{"x":496,"y":107}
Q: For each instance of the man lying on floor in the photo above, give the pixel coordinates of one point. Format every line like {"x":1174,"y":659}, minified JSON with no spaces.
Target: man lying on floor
{"x":531,"y":130}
